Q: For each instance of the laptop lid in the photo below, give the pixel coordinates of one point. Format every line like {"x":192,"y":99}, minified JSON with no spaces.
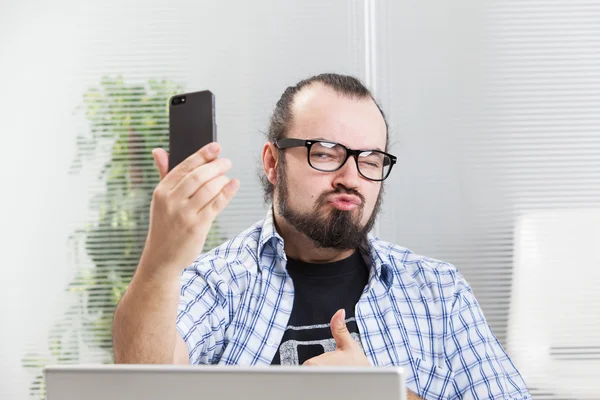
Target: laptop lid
{"x":159,"y":382}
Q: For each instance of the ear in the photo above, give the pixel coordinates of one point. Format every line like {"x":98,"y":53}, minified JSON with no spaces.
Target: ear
{"x":270,"y":158}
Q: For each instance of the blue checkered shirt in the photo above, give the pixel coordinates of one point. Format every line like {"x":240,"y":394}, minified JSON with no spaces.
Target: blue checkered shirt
{"x":416,"y":312}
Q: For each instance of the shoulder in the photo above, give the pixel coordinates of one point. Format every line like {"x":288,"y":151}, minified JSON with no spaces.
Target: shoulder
{"x":435,"y":279}
{"x":228,"y":268}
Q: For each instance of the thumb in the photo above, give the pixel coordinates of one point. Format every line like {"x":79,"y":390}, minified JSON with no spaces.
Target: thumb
{"x":161,"y":159}
{"x":343,"y":339}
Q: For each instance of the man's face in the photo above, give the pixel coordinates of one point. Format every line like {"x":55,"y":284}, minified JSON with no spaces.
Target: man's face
{"x":305,"y":197}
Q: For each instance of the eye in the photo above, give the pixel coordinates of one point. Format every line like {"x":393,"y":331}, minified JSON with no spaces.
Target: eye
{"x":370,"y":164}
{"x":321,"y":155}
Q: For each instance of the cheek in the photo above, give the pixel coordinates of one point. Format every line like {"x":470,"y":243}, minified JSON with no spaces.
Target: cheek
{"x":371,"y":197}
{"x":306,"y":189}
{"x":303,"y":188}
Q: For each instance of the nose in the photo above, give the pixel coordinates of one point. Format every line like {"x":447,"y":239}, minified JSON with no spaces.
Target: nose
{"x":347,"y":175}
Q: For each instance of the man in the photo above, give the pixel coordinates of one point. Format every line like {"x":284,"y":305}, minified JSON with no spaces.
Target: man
{"x":307,"y":285}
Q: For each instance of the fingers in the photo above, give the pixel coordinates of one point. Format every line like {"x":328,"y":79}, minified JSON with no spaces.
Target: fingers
{"x":338,"y":321}
{"x":205,"y":155}
{"x":313,"y":362}
{"x":197,"y":185}
{"x":207,"y":193}
{"x":195,"y":180}
{"x":220,"y":200}
{"x":330,"y":358}
{"x":343,"y":338}
{"x":161,"y":159}
{"x":347,"y":352}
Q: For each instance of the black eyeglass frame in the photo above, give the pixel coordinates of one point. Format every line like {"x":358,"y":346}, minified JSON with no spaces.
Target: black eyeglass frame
{"x":287,"y":143}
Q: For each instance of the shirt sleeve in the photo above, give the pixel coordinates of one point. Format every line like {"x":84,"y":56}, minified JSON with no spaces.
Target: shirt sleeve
{"x":480,"y":366}
{"x":201,"y":319}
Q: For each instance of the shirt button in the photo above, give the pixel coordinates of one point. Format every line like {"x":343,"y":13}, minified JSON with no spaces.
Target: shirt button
{"x":270,"y":343}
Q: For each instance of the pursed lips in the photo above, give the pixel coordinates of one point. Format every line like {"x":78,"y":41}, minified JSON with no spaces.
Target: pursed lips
{"x":345,"y":202}
{"x":346,"y":198}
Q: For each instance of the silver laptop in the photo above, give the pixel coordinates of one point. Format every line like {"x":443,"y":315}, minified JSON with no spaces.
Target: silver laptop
{"x":162,"y":382}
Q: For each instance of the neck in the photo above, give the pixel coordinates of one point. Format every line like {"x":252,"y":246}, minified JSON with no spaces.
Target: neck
{"x":299,"y":247}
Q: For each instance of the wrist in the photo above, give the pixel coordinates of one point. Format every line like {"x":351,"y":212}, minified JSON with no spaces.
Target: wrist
{"x":158,"y":273}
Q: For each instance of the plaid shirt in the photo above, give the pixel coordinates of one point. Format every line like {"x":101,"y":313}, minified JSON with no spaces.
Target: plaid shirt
{"x":416,"y":312}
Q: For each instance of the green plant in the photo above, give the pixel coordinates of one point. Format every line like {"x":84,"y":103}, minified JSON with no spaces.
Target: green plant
{"x":126,"y":122}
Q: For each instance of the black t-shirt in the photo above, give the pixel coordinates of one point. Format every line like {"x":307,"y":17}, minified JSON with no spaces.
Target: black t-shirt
{"x":319,"y":291}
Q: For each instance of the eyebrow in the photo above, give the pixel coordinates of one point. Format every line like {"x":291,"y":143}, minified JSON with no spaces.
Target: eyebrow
{"x":329,"y":140}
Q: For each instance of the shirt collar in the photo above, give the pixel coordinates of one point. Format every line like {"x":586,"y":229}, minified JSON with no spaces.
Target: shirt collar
{"x":270,"y":244}
{"x":377,"y":257}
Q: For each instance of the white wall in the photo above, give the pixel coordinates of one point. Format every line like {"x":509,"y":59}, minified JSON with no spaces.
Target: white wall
{"x":38,"y":54}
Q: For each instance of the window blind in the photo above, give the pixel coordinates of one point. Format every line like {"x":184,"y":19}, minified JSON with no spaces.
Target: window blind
{"x":494,"y":106}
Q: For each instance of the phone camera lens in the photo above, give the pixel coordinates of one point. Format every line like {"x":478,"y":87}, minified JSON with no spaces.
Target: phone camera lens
{"x":178,"y":100}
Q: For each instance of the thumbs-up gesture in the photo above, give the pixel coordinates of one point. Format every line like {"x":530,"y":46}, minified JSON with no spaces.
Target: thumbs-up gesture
{"x":347,"y":353}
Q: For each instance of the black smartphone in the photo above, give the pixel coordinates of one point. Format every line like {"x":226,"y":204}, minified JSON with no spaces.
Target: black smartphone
{"x":191,"y":124}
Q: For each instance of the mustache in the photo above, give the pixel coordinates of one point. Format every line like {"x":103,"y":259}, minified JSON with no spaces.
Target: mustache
{"x":341,"y":189}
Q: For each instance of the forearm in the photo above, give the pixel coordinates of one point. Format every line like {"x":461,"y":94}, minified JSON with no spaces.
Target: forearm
{"x":144,"y":327}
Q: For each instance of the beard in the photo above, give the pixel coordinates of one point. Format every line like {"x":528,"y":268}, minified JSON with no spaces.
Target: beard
{"x":337,"y":229}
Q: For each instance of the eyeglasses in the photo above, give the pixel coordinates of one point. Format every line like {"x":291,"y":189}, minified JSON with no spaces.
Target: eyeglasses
{"x":327,"y":156}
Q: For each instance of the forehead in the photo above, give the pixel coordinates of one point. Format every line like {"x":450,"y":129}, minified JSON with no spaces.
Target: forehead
{"x":320,"y":112}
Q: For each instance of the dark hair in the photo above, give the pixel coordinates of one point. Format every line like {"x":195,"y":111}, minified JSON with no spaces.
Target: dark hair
{"x":282,"y":115}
